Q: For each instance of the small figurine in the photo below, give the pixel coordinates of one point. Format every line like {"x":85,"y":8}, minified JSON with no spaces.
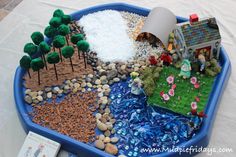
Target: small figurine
{"x":202,"y":63}
{"x":136,"y":86}
{"x":185,"y":69}
{"x":133,"y":75}
{"x":166,"y":58}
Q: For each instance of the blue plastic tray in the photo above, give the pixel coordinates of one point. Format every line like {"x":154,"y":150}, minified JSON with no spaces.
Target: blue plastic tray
{"x":84,"y":150}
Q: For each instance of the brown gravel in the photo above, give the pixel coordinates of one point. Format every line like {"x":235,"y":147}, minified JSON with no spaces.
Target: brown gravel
{"x":72,"y":117}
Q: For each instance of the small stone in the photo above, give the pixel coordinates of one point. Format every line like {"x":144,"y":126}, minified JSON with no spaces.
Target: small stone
{"x":75,"y":90}
{"x":111,"y":74}
{"x":28,"y":99}
{"x":98,"y":82}
{"x":27,"y":91}
{"x":83,"y":84}
{"x":33,"y":94}
{"x":99,"y":68}
{"x":114,"y":139}
{"x":49,"y":95}
{"x":100,"y":94}
{"x":101,"y":126}
{"x":112,"y":121}
{"x":98,"y":115}
{"x":40,"y":98}
{"x":106,"y":86}
{"x":83,"y":90}
{"x":103,"y":79}
{"x":89,"y":85}
{"x":123,"y":67}
{"x":90,"y":75}
{"x":76,"y":85}
{"x":116,"y":79}
{"x":109,"y":125}
{"x":99,"y":144}
{"x":89,"y":89}
{"x":107,"y":139}
{"x":104,"y":101}
{"x":111,"y":149}
{"x":113,"y":131}
{"x":48,"y":89}
{"x":122,"y":155}
{"x":107,"y":133}
{"x":101,"y":137}
{"x":40,"y":92}
{"x":123,"y":77}
{"x":107,"y":110}
{"x":73,"y":80}
{"x":66,"y":87}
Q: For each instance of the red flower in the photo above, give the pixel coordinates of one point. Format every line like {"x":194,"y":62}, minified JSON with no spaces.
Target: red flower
{"x":152,"y":60}
{"x":196,"y":85}
{"x":161,"y":93}
{"x":194,"y":111}
{"x":170,"y":79}
{"x":171,"y":92}
{"x":193,"y":80}
{"x":197,"y":99}
{"x":173,"y":86}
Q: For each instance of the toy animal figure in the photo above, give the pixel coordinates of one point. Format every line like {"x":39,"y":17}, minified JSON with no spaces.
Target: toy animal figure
{"x":185,"y":69}
{"x":166,"y":58}
{"x":202,"y":63}
{"x":136,"y":86}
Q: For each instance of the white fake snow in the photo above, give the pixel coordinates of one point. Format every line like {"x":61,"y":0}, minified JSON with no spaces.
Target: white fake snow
{"x":106,"y":33}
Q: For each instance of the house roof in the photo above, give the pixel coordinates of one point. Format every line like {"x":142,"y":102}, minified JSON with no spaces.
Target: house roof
{"x":200,"y":32}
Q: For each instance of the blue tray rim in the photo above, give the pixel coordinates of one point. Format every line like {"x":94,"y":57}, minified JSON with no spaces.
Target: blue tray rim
{"x":201,"y":139}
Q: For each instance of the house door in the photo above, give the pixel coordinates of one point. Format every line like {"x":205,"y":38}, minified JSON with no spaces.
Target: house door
{"x":206,"y":51}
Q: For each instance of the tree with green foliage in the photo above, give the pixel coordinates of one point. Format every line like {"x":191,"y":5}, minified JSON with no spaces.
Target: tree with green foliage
{"x":58,"y":13}
{"x":59,"y":42}
{"x":37,"y":37}
{"x":44,"y":49}
{"x":84,"y":47}
{"x":30,"y":49}
{"x":53,"y":58}
{"x":75,"y":38}
{"x":50,"y":31}
{"x":55,"y":22}
{"x":37,"y":64}
{"x":68,"y":52}
{"x":64,"y":30}
{"x":66,"y":19}
{"x":25,"y":64}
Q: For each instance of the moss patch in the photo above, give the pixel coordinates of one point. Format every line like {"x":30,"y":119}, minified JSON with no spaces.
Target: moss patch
{"x":185,"y":93}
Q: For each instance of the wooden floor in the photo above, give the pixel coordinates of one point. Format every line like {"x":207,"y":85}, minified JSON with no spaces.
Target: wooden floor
{"x":6,"y":6}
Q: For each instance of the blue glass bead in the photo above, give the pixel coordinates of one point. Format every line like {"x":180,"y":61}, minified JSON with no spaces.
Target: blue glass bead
{"x":136,"y":133}
{"x":132,"y":141}
{"x":135,"y":154}
{"x":130,"y":153}
{"x":136,"y":149}
{"x":126,"y":147}
{"x":119,"y":95}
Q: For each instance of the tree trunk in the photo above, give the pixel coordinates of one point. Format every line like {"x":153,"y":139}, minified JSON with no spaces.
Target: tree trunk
{"x":45,"y":63}
{"x":85,"y":62}
{"x":71,"y":64}
{"x":29,"y":73}
{"x":78,"y":52}
{"x":55,"y":69}
{"x":38,"y":77}
{"x":54,"y":49}
{"x":60,"y":54}
{"x":67,"y":40}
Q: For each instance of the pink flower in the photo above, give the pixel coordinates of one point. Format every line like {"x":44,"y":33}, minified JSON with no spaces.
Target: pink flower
{"x":194,"y":105}
{"x":173,"y":86}
{"x":171,"y":92}
{"x":170,"y":79}
{"x":166,"y":97}
{"x":196,"y":85}
{"x":193,"y":80}
{"x":197,"y":99}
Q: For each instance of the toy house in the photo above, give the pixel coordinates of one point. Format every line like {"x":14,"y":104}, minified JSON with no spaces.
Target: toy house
{"x":197,"y":37}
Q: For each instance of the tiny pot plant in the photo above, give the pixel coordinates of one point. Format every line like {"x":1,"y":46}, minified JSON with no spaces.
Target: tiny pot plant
{"x":68,"y":52}
{"x":53,"y":58}
{"x":37,"y":64}
{"x":84,"y":47}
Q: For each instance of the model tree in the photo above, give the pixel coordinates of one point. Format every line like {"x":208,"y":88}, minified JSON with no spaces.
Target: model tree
{"x":37,"y":38}
{"x":30,"y":49}
{"x":53,"y":58}
{"x":25,"y":64}
{"x":58,"y":13}
{"x":59,"y":42}
{"x":50,"y":31}
{"x":37,"y":64}
{"x":66,"y":19}
{"x":84,"y":47}
{"x":55,"y":22}
{"x":44,"y":49}
{"x":64,"y":30}
{"x":68,"y":52}
{"x":75,"y":38}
